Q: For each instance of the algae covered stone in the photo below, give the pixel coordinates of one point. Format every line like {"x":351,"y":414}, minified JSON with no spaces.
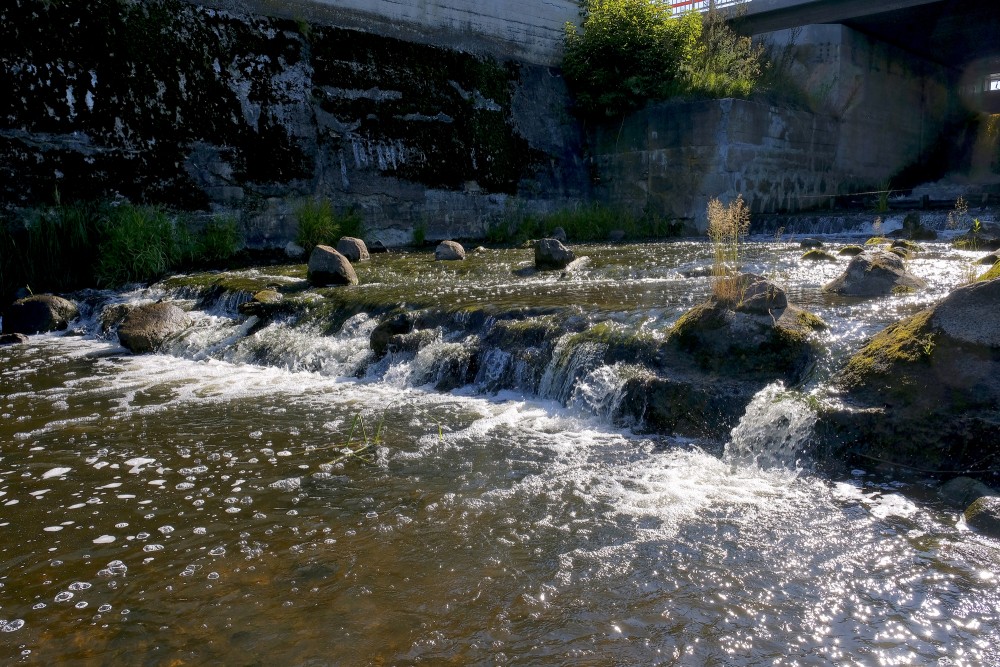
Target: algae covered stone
{"x":329,"y":267}
{"x":934,"y":377}
{"x":817,"y":255}
{"x":984,"y":515}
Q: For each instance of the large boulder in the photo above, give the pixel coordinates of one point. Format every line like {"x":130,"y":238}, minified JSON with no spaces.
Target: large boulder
{"x":38,"y":314}
{"x":449,"y":251}
{"x":329,"y":267}
{"x":147,"y":327}
{"x":353,"y":249}
{"x":719,"y":355}
{"x":551,"y":255}
{"x":925,"y":392}
{"x":875,"y":272}
{"x":747,"y":329}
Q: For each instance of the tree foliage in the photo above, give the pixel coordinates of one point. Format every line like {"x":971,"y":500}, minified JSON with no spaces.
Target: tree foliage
{"x":632,"y":51}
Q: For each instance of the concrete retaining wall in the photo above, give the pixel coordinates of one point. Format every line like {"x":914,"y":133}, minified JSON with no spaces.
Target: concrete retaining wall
{"x":872,"y":112}
{"x":526,"y":30}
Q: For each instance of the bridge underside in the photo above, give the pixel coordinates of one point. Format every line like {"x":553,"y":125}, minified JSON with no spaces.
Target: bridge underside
{"x":954,"y":33}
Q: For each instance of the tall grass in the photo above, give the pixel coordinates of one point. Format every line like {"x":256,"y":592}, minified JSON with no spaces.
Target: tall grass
{"x":582,"y":224}
{"x":319,"y":224}
{"x":728,"y":225}
{"x":84,"y":244}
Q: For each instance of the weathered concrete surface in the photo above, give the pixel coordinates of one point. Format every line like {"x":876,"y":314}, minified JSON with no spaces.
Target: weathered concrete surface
{"x":248,"y":115}
{"x":526,"y":30}
{"x":874,"y":111}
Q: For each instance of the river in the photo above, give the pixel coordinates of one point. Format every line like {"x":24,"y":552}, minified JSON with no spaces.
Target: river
{"x":202,"y":506}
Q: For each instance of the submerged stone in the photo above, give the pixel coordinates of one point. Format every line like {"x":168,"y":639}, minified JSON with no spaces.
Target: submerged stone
{"x":146,"y":328}
{"x":39,"y":314}
{"x":817,"y":255}
{"x":13,"y":339}
{"x":329,"y":267}
{"x":850,"y":250}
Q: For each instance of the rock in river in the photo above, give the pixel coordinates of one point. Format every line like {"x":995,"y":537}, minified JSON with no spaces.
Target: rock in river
{"x":147,"y":327}
{"x":329,"y":267}
{"x":38,"y":314}
{"x":874,"y":272}
{"x":353,"y":249}
{"x":551,"y":255}
{"x":449,"y":251}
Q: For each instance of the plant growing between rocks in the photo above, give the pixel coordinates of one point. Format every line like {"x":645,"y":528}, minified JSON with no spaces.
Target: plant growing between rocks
{"x":727,"y":226}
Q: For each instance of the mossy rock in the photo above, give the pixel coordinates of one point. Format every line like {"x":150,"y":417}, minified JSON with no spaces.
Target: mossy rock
{"x":761,"y":337}
{"x":817,"y":255}
{"x":989,"y":260}
{"x":907,"y":245}
{"x":39,"y":314}
{"x":878,"y":240}
{"x":992,"y":274}
{"x":984,"y":516}
{"x":900,"y":252}
{"x":935,"y":379}
{"x":850,"y":250}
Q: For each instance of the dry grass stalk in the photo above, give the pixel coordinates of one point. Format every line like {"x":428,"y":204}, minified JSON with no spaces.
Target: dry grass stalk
{"x":727,"y":226}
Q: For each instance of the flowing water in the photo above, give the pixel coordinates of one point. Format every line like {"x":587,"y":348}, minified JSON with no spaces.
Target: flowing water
{"x":198,"y":507}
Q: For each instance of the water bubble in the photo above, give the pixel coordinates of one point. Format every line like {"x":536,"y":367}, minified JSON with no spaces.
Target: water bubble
{"x":80,"y":605}
{"x":104,"y":608}
{"x":142,"y":536}
{"x":213,"y":575}
{"x":152,"y":547}
{"x":200,"y":530}
{"x":257,"y":435}
{"x":80,"y":586}
{"x":13,"y":626}
{"x":166,"y":530}
{"x":184,"y":486}
{"x":104,"y":539}
{"x":232,"y":510}
{"x":371,"y":515}
{"x":121,"y":525}
{"x":40,"y":605}
{"x":65,"y":596}
{"x":117,"y":567}
{"x":217,"y":551}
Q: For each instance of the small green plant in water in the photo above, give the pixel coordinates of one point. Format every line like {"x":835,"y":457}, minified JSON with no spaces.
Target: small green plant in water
{"x":882,"y":200}
{"x":419,"y":235}
{"x":728,"y":225}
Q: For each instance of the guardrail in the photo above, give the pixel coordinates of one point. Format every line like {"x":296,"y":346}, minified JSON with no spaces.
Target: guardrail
{"x":702,"y":5}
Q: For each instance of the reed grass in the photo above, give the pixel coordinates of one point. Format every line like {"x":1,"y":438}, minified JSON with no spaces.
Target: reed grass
{"x":728,"y":225}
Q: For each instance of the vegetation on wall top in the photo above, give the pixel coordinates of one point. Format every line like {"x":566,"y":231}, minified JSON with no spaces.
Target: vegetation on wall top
{"x":630,"y":52}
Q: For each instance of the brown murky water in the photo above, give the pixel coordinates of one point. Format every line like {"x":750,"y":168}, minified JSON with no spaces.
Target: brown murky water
{"x":190,"y":508}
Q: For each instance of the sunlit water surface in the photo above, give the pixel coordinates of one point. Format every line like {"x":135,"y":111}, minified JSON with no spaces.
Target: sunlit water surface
{"x":194,"y":508}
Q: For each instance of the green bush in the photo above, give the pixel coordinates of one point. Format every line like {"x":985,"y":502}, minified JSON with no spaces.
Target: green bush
{"x":633,"y":51}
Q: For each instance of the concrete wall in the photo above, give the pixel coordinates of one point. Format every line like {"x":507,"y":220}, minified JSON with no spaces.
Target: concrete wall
{"x":872,"y":111}
{"x":526,"y":30}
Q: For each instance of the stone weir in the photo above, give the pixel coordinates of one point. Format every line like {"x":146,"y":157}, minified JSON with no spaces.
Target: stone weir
{"x":694,"y":378}
{"x":213,"y":110}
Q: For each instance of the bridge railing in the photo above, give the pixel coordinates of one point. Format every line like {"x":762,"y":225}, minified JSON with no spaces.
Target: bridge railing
{"x":702,"y":5}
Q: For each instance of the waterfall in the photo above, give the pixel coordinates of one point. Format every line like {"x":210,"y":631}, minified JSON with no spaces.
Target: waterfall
{"x":774,"y":432}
